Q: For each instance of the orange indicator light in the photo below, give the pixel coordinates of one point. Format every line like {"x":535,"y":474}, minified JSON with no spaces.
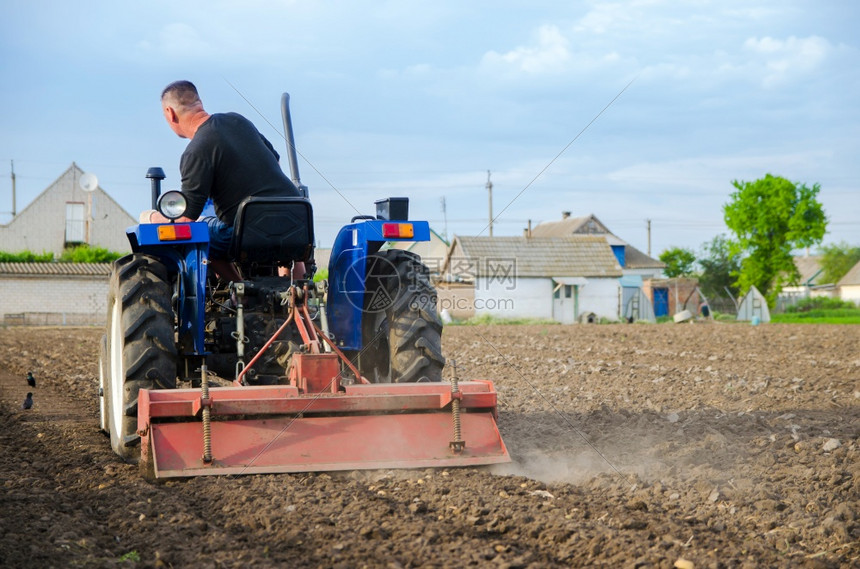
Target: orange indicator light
{"x":398,"y":230}
{"x":174,"y":232}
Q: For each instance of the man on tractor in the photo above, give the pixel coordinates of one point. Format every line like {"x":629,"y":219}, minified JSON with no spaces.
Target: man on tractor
{"x":226,"y":160}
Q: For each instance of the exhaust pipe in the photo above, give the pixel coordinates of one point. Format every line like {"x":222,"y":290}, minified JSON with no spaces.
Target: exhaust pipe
{"x":291,"y":144}
{"x":155,"y":175}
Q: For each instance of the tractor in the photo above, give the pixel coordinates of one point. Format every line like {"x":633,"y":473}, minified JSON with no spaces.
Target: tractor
{"x":278,"y":372}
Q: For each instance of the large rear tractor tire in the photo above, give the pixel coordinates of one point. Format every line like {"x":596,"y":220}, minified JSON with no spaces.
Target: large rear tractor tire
{"x":402,"y":332}
{"x":140,"y":348}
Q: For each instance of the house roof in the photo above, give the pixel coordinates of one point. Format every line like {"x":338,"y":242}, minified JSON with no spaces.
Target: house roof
{"x":636,"y":259}
{"x":575,"y":255}
{"x":569,"y":226}
{"x":63,"y":269}
{"x":852,"y":277}
{"x":590,"y":225}
{"x":809,"y":267}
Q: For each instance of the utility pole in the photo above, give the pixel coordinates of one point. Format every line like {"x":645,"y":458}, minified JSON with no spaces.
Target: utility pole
{"x":14,"y":210}
{"x":648,"y":222}
{"x":445,"y":217}
{"x":490,"y":195}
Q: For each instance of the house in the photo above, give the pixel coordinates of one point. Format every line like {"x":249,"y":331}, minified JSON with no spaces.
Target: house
{"x":637,"y":268}
{"x":849,"y":285}
{"x":559,"y":278}
{"x":633,"y":261}
{"x":65,"y":215}
{"x":810,"y":284}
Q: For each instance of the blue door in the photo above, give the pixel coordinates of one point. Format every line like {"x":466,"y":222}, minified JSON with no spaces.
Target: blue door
{"x":661,"y":302}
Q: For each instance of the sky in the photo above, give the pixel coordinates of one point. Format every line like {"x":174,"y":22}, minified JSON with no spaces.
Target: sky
{"x":631,"y":110}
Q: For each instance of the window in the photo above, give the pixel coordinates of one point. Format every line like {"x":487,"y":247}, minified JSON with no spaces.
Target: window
{"x":75,"y":222}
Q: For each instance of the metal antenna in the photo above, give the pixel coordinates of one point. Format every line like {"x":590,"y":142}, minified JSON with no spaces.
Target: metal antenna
{"x":445,"y":217}
{"x":490,"y":196}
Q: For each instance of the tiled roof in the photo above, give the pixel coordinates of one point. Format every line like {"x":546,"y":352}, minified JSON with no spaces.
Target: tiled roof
{"x":636,"y":259}
{"x":70,"y":269}
{"x":568,"y":226}
{"x":852,"y":277}
{"x":809,"y":267}
{"x":590,"y":225}
{"x":577,"y":255}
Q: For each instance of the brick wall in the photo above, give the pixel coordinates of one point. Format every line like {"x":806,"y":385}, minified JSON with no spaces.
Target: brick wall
{"x":53,"y":299}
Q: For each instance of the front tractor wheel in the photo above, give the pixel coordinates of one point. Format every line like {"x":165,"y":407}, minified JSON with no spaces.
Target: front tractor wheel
{"x":104,"y":418}
{"x":402,"y":332}
{"x":140,"y":348}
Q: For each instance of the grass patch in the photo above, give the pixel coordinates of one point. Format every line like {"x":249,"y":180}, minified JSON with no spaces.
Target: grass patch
{"x":820,"y":310}
{"x":819,"y":316}
{"x":487,"y":320}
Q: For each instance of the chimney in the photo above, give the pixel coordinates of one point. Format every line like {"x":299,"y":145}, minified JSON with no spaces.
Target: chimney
{"x":565,"y":214}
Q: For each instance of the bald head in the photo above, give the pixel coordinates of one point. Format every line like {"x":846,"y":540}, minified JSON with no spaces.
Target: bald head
{"x":182,"y":108}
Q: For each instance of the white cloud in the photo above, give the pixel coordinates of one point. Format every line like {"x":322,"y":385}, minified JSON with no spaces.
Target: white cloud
{"x":604,"y":17}
{"x":783,"y":60}
{"x":550,"y":55}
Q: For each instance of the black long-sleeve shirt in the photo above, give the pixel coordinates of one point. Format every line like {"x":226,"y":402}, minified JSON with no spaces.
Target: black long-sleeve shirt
{"x":229,"y":160}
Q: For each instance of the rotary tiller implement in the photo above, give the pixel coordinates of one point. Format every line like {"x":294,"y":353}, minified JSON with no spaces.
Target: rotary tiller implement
{"x":328,"y":418}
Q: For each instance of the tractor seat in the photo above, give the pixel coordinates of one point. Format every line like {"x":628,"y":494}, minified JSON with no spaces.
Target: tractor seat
{"x":272,"y":232}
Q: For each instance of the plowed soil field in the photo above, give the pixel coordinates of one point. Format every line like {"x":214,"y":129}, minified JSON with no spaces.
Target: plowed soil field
{"x":674,"y":445}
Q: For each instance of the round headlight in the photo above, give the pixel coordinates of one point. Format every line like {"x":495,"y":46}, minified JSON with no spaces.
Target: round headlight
{"x":172,"y":204}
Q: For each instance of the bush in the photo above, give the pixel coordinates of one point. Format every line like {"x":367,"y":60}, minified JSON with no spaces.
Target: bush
{"x":87,"y":254}
{"x":78,"y":254}
{"x":26,"y":257}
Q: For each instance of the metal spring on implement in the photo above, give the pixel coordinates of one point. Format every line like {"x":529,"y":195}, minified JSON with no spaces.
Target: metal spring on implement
{"x":458,"y":444}
{"x":207,"y":411}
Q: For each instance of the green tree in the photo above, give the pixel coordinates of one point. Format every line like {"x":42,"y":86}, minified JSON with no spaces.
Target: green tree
{"x":719,"y":268}
{"x":770,"y":217}
{"x":680,"y":262}
{"x":836,"y":260}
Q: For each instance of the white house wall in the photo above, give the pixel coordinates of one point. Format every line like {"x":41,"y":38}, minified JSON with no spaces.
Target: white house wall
{"x":600,"y":296}
{"x":850,"y":293}
{"x":521,"y":298}
{"x":532,"y":298}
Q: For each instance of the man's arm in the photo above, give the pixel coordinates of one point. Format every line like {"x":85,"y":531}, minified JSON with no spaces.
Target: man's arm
{"x":197,"y":179}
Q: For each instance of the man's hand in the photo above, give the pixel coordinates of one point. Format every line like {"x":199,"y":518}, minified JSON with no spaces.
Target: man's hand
{"x":153,"y":216}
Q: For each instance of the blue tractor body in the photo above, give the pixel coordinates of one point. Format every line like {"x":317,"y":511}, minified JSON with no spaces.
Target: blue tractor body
{"x":336,"y":374}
